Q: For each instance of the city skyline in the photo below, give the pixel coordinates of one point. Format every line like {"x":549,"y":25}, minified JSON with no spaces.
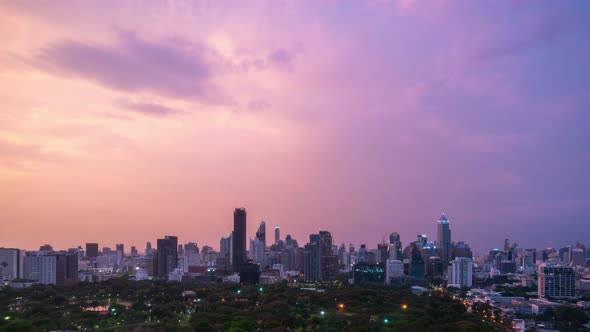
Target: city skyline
{"x":434,"y":238}
{"x":127,"y":122}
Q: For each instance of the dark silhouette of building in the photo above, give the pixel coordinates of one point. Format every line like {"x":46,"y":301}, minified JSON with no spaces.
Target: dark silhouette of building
{"x":395,"y":247}
{"x":239,"y":239}
{"x":311,"y":260}
{"x":66,"y":269}
{"x":328,"y":261}
{"x":444,"y":240}
{"x":261,"y":233}
{"x":91,"y":249}
{"x":250,"y":274}
{"x":416,"y":262}
{"x":167,"y":255}
{"x":121,"y":247}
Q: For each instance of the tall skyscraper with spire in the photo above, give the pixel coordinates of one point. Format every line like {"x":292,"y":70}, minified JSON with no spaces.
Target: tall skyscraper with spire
{"x":277,"y":235}
{"x":444,"y":240}
{"x":239,"y":239}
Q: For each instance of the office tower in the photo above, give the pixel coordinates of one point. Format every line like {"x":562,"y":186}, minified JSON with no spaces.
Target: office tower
{"x":66,"y":269}
{"x":290,"y":242}
{"x":461,"y":249}
{"x":277,"y":235}
{"x":167,"y":255}
{"x":433,"y":266}
{"x":460,"y":272}
{"x":395,"y":246}
{"x":51,"y":268}
{"x":225,"y":246}
{"x":239,"y":239}
{"x":91,"y":249}
{"x":578,"y":257}
{"x":10,"y":264}
{"x":394,"y":269}
{"x":383,"y":250}
{"x":191,"y":247}
{"x":106,"y":250}
{"x":444,"y":240}
{"x":121,"y":248}
{"x":565,"y":254}
{"x":257,"y":250}
{"x":422,"y":239}
{"x":134,"y":251}
{"x":311,"y":261}
{"x":556,"y":281}
{"x":261,"y":233}
{"x":506,"y":244}
{"x":417,"y":265}
{"x":148,"y":248}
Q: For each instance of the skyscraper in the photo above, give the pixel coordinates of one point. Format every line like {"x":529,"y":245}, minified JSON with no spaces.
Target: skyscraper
{"x":277,"y":235}
{"x":311,"y":260}
{"x":167,"y":255}
{"x":444,"y":240}
{"x":395,"y":247}
{"x":328,"y":261}
{"x":121,"y":247}
{"x":91,"y":249}
{"x":239,"y":239}
{"x":460,"y":272}
{"x":261,"y":233}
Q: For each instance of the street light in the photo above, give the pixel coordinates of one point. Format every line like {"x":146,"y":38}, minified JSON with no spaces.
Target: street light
{"x":385,"y":320}
{"x":404,"y":306}
{"x":322,"y":312}
{"x":341,"y":306}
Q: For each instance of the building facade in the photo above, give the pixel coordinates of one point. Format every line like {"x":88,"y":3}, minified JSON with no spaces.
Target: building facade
{"x":556,"y":281}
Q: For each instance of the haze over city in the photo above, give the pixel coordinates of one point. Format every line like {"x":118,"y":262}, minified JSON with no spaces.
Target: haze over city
{"x":124,"y":121}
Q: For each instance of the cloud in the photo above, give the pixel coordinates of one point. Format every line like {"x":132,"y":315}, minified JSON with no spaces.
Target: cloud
{"x":172,"y":68}
{"x":541,"y":31}
{"x":280,"y":57}
{"x":145,"y":108}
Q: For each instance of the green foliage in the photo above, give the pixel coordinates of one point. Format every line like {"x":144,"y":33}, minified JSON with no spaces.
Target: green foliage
{"x":159,"y":306}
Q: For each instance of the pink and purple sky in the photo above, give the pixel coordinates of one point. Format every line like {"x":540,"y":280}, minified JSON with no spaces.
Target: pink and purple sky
{"x":126,"y":121}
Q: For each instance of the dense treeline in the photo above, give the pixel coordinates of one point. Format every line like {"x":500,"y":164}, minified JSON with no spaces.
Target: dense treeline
{"x":160,"y":306}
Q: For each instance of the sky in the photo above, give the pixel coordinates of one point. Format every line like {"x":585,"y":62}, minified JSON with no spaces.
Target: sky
{"x":122,"y":122}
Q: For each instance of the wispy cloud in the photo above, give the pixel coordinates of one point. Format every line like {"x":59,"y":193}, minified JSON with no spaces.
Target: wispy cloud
{"x":541,"y":31}
{"x":172,"y":68}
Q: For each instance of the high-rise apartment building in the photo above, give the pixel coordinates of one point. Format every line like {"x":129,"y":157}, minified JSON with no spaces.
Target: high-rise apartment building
{"x":239,"y":256}
{"x":51,"y":268}
{"x":556,"y":281}
{"x":460,"y":272}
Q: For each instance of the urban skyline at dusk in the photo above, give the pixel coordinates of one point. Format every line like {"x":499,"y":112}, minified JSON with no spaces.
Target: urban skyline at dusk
{"x":125,"y":122}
